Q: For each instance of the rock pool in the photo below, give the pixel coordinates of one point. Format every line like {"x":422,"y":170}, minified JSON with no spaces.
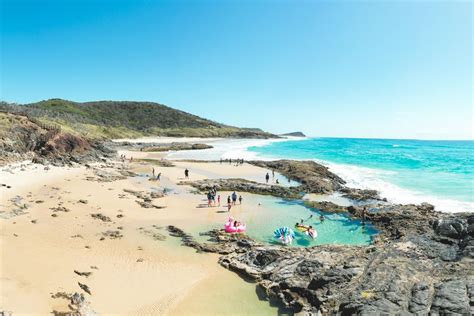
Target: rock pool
{"x":263,"y":214}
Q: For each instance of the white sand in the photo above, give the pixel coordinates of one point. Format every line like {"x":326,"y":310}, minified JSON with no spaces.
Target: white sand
{"x":136,"y":274}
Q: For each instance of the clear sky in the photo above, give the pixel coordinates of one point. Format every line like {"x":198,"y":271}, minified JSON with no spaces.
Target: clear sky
{"x":336,"y":68}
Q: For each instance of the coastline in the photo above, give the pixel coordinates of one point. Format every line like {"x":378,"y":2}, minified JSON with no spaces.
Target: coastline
{"x":357,"y":176}
{"x":108,"y":219}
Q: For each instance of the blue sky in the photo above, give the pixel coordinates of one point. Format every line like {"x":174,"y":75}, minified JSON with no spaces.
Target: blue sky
{"x":329,"y":68}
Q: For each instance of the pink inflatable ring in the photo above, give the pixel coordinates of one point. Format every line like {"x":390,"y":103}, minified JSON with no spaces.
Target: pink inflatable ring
{"x":230,"y":228}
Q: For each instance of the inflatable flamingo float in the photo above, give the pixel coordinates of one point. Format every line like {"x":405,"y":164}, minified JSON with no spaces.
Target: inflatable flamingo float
{"x":230,"y":228}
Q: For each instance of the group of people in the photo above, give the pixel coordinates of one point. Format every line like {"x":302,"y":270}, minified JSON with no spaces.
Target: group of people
{"x":211,"y":197}
{"x":123,"y":158}
{"x":306,"y":228}
{"x":238,"y":162}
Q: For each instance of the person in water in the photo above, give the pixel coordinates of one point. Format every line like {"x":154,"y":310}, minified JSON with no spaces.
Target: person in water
{"x":277,"y":182}
{"x":363,"y":216}
{"x":321,"y":218}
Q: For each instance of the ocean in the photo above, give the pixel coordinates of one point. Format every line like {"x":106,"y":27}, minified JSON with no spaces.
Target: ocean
{"x":404,"y":171}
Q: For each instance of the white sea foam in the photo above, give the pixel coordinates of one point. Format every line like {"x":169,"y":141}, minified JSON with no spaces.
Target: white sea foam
{"x":225,"y":149}
{"x":368,"y":178}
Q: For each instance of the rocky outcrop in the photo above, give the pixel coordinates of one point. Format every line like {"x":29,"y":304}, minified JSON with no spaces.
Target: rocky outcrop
{"x":417,"y":265}
{"x":145,"y":199}
{"x":158,"y":147}
{"x":326,"y":206}
{"x":359,"y":195}
{"x":242,"y":185}
{"x":314,"y":178}
{"x":23,"y":138}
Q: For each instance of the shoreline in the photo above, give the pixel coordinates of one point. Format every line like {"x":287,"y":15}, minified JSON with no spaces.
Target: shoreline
{"x":109,"y":216}
{"x":357,"y":176}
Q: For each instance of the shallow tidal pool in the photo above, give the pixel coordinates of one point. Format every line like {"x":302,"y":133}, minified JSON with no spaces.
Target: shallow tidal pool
{"x":264,"y":214}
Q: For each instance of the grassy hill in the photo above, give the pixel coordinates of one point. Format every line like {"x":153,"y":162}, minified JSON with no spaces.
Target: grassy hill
{"x":127,"y":119}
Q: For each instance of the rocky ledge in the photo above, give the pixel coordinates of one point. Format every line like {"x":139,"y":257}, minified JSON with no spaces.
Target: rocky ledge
{"x":242,"y":185}
{"x":312,"y":178}
{"x":420,"y":263}
{"x":316,"y":178}
{"x":157,"y":147}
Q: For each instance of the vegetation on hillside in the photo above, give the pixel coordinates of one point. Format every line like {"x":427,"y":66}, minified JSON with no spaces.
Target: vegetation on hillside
{"x":127,"y":119}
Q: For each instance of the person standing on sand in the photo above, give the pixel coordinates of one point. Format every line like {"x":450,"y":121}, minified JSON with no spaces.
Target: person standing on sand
{"x":267,"y":177}
{"x":153,"y":172}
{"x":186,"y":173}
{"x":234,"y":198}
{"x":158,"y":176}
{"x":240,"y":199}
{"x":229,"y":205}
{"x":273,"y":173}
{"x":219,"y":200}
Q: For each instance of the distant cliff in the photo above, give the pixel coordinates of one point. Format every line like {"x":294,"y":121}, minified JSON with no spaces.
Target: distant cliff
{"x":294,"y":134}
{"x":127,"y":119}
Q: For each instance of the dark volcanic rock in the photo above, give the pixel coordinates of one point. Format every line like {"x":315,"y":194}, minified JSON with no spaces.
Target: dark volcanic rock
{"x":451,"y":297}
{"x":421,"y":296}
{"x":243,"y":185}
{"x":326,"y":206}
{"x":176,"y":147}
{"x":361,"y":194}
{"x":453,"y":228}
{"x":411,"y":268}
{"x":101,"y":217}
{"x":314,"y":178}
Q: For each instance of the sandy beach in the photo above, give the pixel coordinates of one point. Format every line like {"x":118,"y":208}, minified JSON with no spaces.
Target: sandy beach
{"x":60,"y":222}
{"x":101,"y":233}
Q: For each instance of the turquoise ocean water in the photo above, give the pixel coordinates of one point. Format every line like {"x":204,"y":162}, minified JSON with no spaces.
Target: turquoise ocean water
{"x":405,"y":171}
